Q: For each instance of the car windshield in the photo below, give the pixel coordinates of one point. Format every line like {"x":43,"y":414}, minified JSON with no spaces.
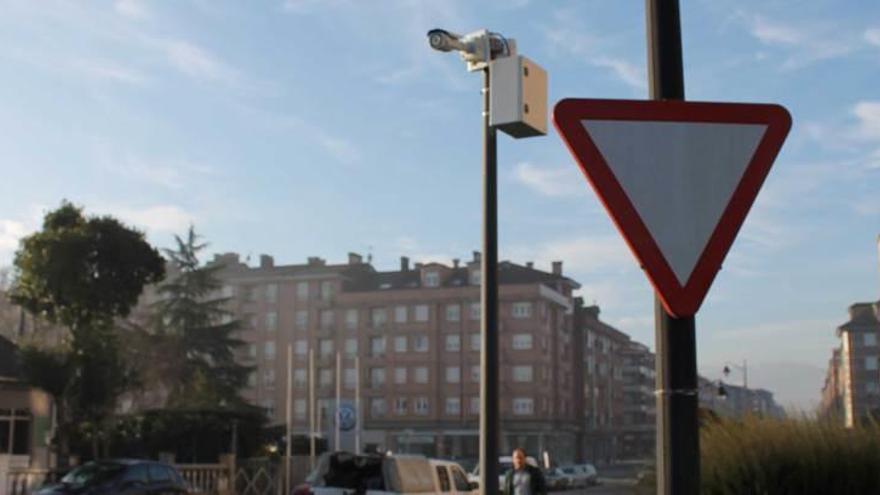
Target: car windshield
{"x":568,"y":470}
{"x":92,"y":473}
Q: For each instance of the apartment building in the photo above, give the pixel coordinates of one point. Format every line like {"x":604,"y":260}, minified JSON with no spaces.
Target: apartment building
{"x":416,"y":333}
{"x":639,"y":403}
{"x":853,"y":376}
{"x":602,"y":382}
{"x":831,"y":404}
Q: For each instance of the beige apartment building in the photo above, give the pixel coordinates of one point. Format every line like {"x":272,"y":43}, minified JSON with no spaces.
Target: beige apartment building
{"x":853,"y":379}
{"x":416,"y":332}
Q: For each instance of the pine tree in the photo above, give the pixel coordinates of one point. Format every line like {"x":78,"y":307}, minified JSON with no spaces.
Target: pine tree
{"x":194,"y":320}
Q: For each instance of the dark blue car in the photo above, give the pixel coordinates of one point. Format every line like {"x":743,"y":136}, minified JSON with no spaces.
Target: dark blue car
{"x":122,"y":477}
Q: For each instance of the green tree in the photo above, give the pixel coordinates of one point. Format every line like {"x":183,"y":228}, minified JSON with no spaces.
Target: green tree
{"x":191,"y":314}
{"x":82,"y":272}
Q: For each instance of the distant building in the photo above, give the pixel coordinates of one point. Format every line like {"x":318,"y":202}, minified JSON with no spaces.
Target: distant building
{"x":734,"y":401}
{"x":831,"y":405}
{"x":416,"y":332}
{"x":853,"y":378}
{"x":618,"y":399}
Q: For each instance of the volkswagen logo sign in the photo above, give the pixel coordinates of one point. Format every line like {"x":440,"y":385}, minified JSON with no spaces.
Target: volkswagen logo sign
{"x":346,"y":417}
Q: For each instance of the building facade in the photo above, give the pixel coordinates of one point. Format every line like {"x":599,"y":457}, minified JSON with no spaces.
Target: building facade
{"x":853,"y":378}
{"x":416,"y":333}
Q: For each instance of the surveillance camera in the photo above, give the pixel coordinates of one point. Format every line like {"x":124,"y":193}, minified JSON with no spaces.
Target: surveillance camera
{"x":444,"y":41}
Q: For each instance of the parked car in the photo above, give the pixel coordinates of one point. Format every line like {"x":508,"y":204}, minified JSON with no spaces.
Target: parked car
{"x":119,"y":477}
{"x":505,"y":464}
{"x":556,"y":479}
{"x":344,"y":473}
{"x":574,"y":477}
{"x":589,"y":472}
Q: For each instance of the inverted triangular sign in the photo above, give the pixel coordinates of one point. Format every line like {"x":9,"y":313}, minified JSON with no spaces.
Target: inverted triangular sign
{"x":677,"y":178}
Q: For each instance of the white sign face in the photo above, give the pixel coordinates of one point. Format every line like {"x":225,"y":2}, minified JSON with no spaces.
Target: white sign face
{"x":679,"y":176}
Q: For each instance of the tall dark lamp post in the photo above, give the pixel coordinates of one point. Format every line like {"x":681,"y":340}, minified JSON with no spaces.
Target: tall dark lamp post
{"x":515,"y":102}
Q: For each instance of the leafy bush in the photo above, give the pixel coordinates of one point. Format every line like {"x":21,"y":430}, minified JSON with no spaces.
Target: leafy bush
{"x":793,"y":456}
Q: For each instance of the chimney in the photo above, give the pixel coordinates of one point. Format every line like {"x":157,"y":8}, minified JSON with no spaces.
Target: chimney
{"x":404,"y":264}
{"x":315,"y":261}
{"x":455,"y":263}
{"x":530,"y":264}
{"x":477,"y":257}
{"x":266,"y":261}
{"x":557,"y":268}
{"x":355,"y":259}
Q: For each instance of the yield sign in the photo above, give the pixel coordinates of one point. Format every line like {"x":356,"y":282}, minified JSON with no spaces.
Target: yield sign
{"x":677,"y":178}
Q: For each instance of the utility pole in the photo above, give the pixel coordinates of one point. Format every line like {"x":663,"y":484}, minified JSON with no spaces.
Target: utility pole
{"x":678,"y":442}
{"x":357,"y":405}
{"x":288,"y":420}
{"x":311,"y":408}
{"x":338,"y":430}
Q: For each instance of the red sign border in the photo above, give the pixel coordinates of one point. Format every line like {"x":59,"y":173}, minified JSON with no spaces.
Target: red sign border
{"x":679,"y":301}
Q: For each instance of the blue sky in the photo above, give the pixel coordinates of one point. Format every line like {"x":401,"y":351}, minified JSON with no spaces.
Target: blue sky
{"x":306,"y":127}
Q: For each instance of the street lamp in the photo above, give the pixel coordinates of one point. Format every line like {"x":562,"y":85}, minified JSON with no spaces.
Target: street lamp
{"x":515,"y":102}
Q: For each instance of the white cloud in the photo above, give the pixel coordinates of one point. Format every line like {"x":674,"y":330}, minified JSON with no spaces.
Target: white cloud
{"x":599,"y":254}
{"x":194,"y":61}
{"x":11,"y":232}
{"x":806,"y":44}
{"x":343,"y":150}
{"x":629,"y":73}
{"x":132,"y":9}
{"x":556,"y":182}
{"x":102,"y":69}
{"x":159,"y":218}
{"x":872,"y":36}
{"x":868,"y":115}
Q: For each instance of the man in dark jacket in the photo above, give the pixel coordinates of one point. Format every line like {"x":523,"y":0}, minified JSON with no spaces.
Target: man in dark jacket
{"x":523,"y":479}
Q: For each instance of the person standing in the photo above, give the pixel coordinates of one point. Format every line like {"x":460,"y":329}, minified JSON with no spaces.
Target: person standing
{"x":523,"y":479}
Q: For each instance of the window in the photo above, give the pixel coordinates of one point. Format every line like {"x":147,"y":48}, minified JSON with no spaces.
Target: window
{"x":476,"y":342}
{"x":325,"y":377}
{"x":301,"y":347}
{"x":269,"y":377}
{"x":137,"y":473}
{"x":272,"y":293}
{"x":476,"y":276}
{"x":453,"y":343}
{"x":377,"y":377}
{"x":377,"y":346}
{"x":871,"y":363}
{"x":326,"y":290}
{"x":252,"y":351}
{"x":420,"y":343}
{"x":522,"y":341}
{"x":453,"y":374}
{"x":522,"y":373}
{"x":474,"y":405}
{"x":872,"y":387}
{"x":327,"y":318}
{"x":302,"y":290}
{"x":421,"y":405}
{"x":400,"y":314}
{"x":443,"y":479}
{"x":422,"y":312}
{"x":870,"y":339}
{"x":227,"y":291}
{"x":400,"y":406}
{"x":299,"y":377}
{"x":299,"y":408}
{"x":453,"y":312}
{"x":271,"y":321}
{"x":269,"y":350}
{"x":400,"y":344}
{"x":302,"y":319}
{"x":475,"y":311}
{"x":326,"y":347}
{"x":432,"y":279}
{"x":350,"y":377}
{"x":378,"y":317}
{"x":399,"y":376}
{"x":160,"y":474}
{"x":523,"y":406}
{"x":475,"y":373}
{"x":421,"y":374}
{"x":453,"y":405}
{"x":253,"y":294}
{"x":460,"y":480}
{"x":351,"y":319}
{"x":252,"y":382}
{"x":378,"y":407}
{"x":351,"y":347}
{"x":269,"y":406}
{"x":603,"y":369}
{"x":522,"y":310}
{"x":252,"y":321}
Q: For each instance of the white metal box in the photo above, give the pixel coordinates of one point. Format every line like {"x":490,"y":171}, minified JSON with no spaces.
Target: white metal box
{"x":518,"y":96}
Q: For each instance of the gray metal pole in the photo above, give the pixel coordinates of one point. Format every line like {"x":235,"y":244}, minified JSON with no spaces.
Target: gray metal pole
{"x":338,"y":430}
{"x":489,"y":417}
{"x":357,"y":405}
{"x":311,"y":408}
{"x":678,"y":441}
{"x":288,"y":418}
